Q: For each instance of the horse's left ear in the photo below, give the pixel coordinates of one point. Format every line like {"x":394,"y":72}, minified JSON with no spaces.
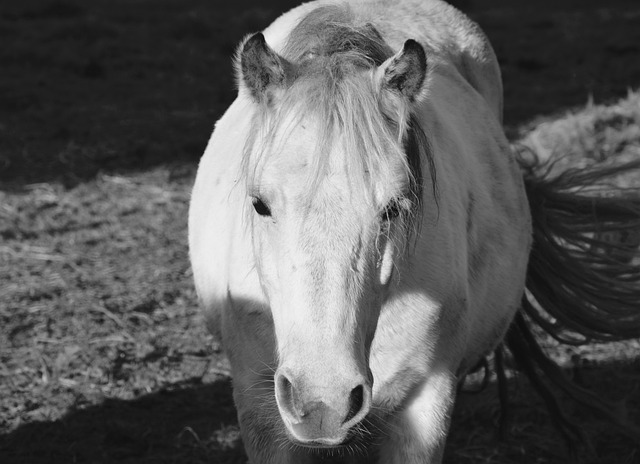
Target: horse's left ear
{"x":406,"y":71}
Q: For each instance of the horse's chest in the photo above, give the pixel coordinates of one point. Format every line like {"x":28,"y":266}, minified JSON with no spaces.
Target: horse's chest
{"x":400,"y":360}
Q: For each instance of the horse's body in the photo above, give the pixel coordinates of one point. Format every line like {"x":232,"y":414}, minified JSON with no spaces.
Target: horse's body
{"x":366,"y":317}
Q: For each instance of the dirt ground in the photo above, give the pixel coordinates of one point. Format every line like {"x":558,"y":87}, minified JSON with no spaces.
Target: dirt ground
{"x":105,"y":108}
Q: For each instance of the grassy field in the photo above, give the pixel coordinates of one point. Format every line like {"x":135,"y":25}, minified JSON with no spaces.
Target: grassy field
{"x":105,"y":107}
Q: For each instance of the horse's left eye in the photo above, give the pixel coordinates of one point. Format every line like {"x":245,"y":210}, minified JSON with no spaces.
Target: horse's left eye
{"x":261,"y":207}
{"x":391,"y":211}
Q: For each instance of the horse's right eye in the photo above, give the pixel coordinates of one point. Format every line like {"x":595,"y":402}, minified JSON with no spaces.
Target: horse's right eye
{"x":391,"y":211}
{"x":261,"y":207}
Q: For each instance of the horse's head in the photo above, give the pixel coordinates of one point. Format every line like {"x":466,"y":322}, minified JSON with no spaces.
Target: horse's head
{"x":331,"y":192}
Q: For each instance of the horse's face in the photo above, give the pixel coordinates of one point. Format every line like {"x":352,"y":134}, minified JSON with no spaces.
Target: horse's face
{"x":326,"y":238}
{"x":325,"y":254}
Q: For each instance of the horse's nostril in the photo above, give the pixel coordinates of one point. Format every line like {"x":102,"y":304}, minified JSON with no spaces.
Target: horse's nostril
{"x":284,"y":392}
{"x":283,"y":383}
{"x":356,"y":399}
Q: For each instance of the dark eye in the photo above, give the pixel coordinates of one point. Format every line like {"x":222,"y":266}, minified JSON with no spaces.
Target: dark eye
{"x":391,"y":211}
{"x":261,"y":207}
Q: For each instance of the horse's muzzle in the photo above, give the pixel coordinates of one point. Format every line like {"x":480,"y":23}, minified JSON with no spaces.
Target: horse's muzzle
{"x":321,"y":417}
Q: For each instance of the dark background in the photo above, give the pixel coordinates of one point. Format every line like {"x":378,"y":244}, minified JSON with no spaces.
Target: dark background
{"x":113,"y":85}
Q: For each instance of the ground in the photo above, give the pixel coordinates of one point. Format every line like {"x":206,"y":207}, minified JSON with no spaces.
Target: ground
{"x":105,"y":108}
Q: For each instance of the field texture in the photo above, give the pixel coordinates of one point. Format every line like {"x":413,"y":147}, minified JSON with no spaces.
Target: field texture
{"x":105,"y":108}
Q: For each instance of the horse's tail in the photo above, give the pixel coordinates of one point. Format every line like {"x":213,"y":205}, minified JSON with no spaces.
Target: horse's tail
{"x":583,"y":281}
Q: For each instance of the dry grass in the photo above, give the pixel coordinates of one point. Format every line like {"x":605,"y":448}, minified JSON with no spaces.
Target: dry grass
{"x":103,"y":354}
{"x":594,"y":134}
{"x":98,"y":309}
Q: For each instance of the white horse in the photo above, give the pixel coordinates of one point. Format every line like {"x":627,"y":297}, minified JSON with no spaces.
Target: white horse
{"x":359,"y":229}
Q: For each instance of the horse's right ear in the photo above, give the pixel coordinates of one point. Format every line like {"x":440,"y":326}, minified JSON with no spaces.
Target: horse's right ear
{"x":260,"y":69}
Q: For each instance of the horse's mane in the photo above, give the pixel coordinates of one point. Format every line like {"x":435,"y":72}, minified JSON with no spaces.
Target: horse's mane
{"x":333,"y":31}
{"x":331,"y":53}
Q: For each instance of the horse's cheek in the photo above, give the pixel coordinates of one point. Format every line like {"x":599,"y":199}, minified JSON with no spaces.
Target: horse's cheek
{"x":262,"y":254}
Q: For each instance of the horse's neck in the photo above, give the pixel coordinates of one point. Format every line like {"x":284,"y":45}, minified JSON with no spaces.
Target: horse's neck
{"x":481,"y":227}
{"x":218,"y":212}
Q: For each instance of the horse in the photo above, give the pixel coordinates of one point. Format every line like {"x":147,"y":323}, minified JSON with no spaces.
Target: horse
{"x":362,"y":234}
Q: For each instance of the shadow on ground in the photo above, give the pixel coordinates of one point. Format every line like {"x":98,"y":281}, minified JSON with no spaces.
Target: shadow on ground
{"x":196,"y":423}
{"x":113,"y":85}
{"x":177,"y":425}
